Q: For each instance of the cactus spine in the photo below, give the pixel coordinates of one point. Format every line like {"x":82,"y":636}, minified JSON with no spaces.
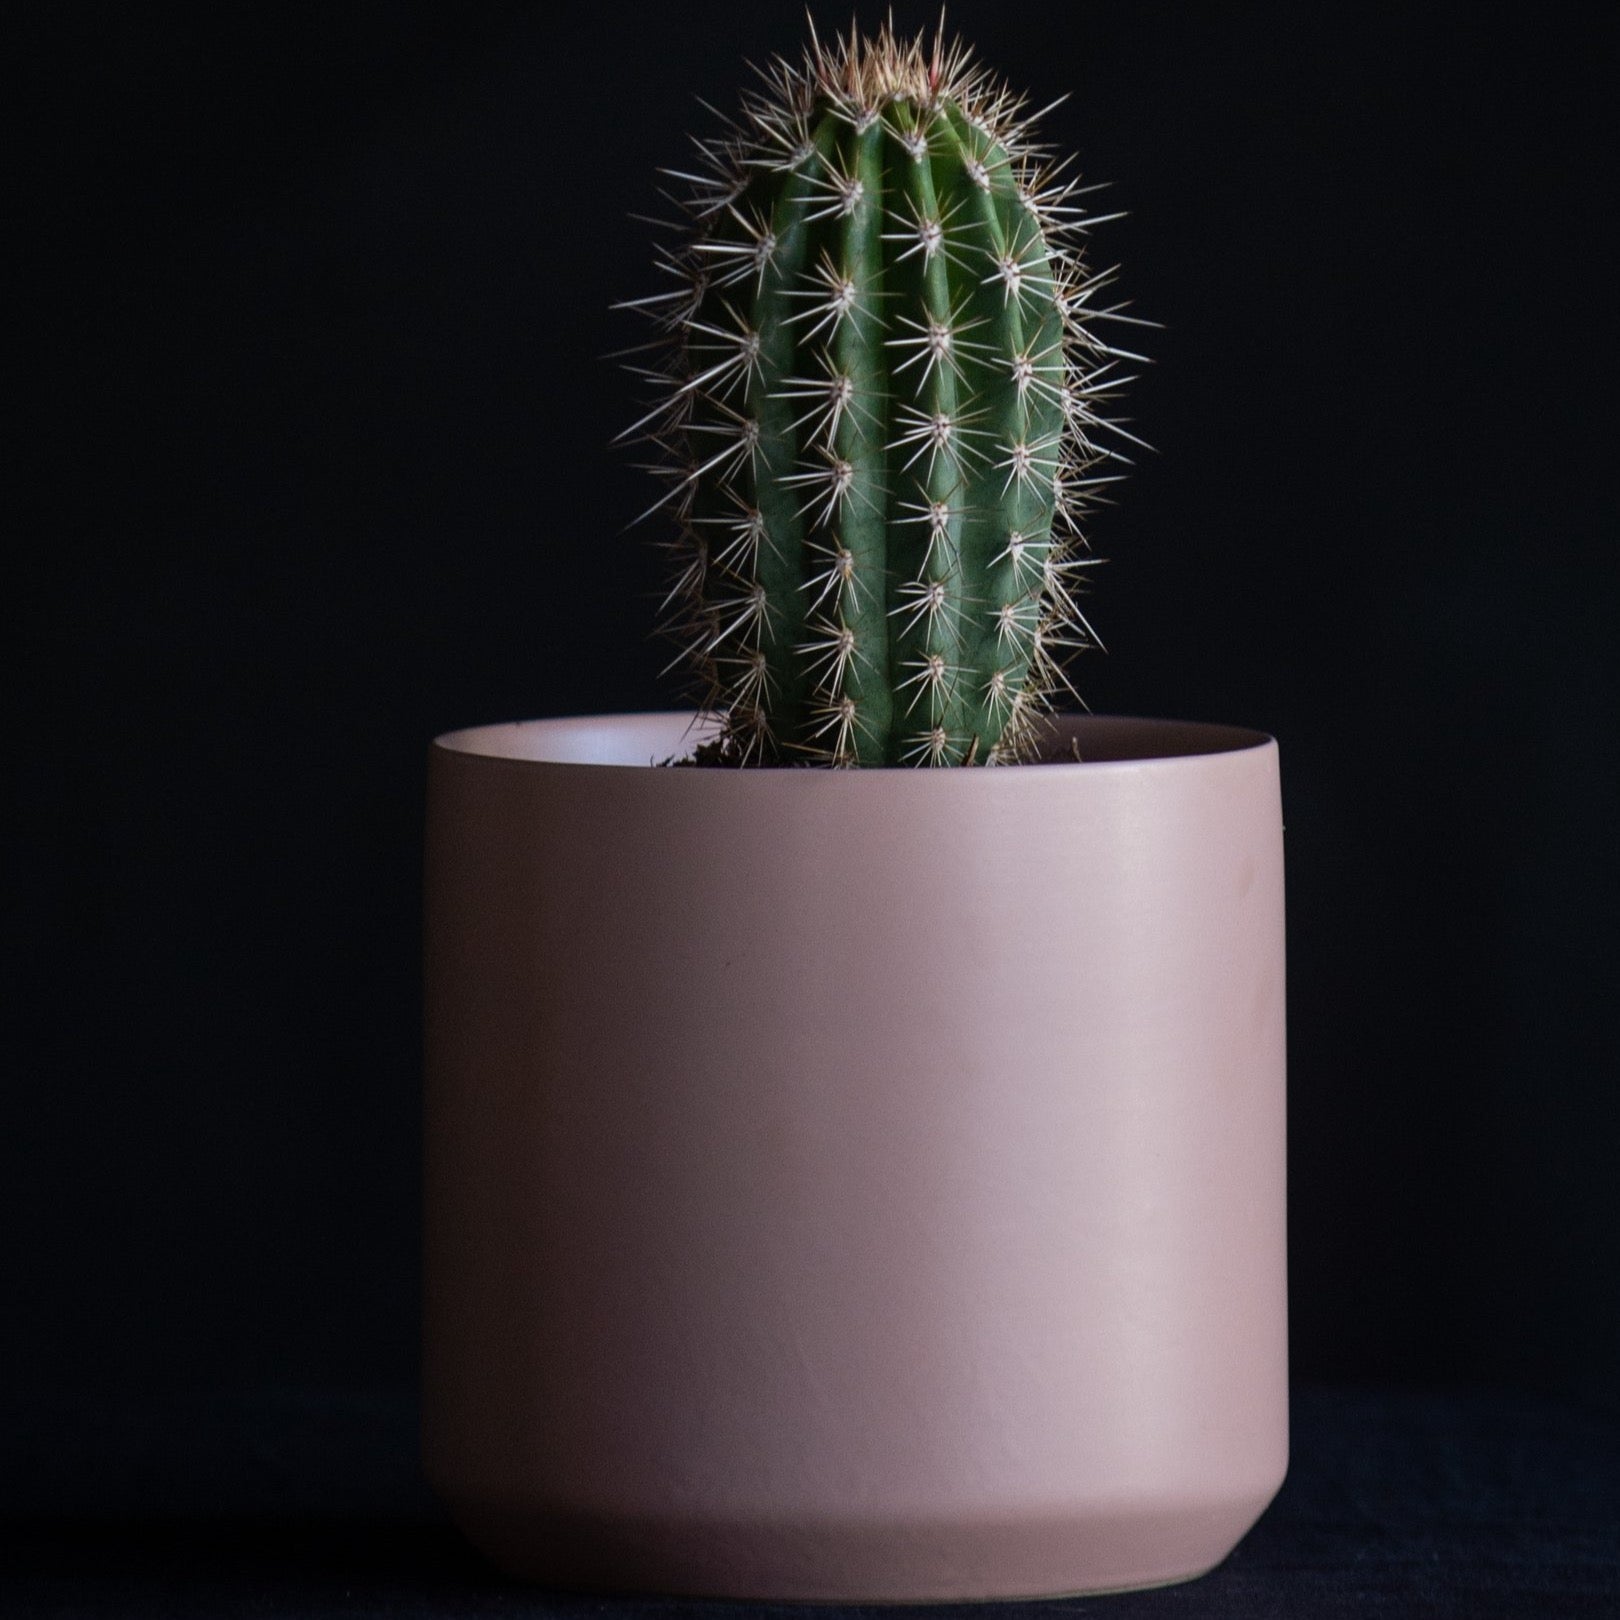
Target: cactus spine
{"x":875,"y":400}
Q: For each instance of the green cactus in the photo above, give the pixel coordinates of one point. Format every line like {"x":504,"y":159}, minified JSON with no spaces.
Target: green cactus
{"x":877,"y":387}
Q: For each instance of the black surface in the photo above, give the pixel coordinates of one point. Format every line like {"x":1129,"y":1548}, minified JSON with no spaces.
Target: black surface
{"x":1446,"y":1504}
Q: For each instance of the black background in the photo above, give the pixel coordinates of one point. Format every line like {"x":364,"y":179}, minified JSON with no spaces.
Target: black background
{"x":314,"y":463}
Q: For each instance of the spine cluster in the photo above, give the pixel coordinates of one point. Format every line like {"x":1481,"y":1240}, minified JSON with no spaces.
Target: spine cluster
{"x":877,"y":388}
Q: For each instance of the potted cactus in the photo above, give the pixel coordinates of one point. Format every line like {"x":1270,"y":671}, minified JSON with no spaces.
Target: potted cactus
{"x":855,"y":1162}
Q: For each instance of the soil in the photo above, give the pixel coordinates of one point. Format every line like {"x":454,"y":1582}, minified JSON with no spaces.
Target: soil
{"x":718,"y":754}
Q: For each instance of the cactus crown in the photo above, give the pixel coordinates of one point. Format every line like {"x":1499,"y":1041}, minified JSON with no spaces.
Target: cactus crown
{"x":877,"y":385}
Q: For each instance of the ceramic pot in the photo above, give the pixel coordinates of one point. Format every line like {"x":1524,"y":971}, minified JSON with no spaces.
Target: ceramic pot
{"x":854,"y":1185}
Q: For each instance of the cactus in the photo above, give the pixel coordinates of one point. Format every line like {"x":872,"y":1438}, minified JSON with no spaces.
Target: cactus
{"x":877,"y":385}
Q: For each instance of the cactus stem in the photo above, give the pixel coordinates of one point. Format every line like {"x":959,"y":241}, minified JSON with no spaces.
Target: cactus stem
{"x":880,"y":302}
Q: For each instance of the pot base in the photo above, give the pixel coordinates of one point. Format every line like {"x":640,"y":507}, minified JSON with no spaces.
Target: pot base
{"x":1084,"y":1554}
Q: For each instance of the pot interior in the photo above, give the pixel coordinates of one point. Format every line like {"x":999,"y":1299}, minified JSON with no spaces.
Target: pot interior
{"x":656,"y":739}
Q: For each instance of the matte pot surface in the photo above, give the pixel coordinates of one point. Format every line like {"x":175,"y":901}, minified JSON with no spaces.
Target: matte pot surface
{"x":855,"y":1185}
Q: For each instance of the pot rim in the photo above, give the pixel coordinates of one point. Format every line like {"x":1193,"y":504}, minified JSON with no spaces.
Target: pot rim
{"x":589,"y":741}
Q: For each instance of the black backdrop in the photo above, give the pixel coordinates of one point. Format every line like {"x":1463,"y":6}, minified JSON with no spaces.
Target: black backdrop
{"x":313,"y":464}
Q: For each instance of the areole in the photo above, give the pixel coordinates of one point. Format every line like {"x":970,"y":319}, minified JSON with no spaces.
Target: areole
{"x":855,"y":1184}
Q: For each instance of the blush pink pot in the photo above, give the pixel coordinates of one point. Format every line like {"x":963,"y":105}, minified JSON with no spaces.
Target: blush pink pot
{"x":854,"y":1185}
